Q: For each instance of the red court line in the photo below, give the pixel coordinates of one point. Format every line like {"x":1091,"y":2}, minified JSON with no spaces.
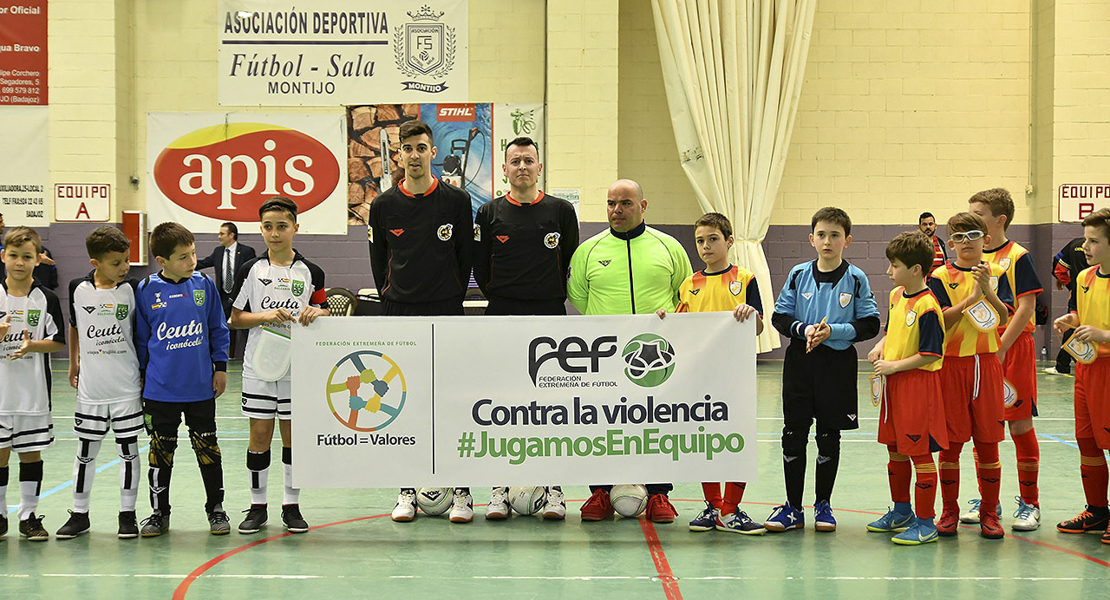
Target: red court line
{"x":662,"y":567}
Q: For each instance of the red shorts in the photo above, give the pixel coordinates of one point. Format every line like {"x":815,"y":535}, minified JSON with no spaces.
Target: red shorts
{"x":1020,"y":367}
{"x":1092,"y":401}
{"x":912,"y":413}
{"x":973,"y":405}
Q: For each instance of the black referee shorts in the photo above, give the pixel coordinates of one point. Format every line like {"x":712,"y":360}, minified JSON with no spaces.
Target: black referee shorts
{"x":499,"y":305}
{"x":448,"y":307}
{"x":820,"y":385}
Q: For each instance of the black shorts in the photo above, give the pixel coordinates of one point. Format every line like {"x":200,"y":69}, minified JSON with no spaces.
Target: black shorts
{"x":165,"y":417}
{"x":821,"y":385}
{"x":448,"y":307}
{"x":511,"y":306}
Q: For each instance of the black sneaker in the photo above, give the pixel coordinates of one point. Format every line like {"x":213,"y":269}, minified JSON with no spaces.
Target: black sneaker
{"x":127,"y":527}
{"x":291,"y":516}
{"x":1094,"y":518}
{"x":256,"y":518}
{"x":77,"y":524}
{"x":3,"y":524}
{"x":32,"y":529}
{"x":218,"y":523}
{"x":155,"y":525}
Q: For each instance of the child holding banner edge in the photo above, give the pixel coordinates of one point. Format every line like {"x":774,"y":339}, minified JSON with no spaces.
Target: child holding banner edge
{"x":720,"y":286}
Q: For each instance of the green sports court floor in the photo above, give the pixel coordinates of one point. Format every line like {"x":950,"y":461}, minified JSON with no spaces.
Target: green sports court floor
{"x":355,"y":551}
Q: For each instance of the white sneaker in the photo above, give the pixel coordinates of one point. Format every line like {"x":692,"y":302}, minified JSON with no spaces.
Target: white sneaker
{"x":463,"y":509}
{"x":498,"y":508}
{"x":1027,"y":517}
{"x":556,"y":508}
{"x":405,"y":510}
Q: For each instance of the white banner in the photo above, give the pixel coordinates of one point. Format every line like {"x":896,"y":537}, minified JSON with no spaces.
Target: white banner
{"x":483,"y":401}
{"x":332,"y":52}
{"x":207,"y":168}
{"x":25,"y":165}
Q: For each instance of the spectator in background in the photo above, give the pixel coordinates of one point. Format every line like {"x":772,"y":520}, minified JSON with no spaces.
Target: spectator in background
{"x":225,"y":260}
{"x":928,"y":225}
{"x":1066,"y":265}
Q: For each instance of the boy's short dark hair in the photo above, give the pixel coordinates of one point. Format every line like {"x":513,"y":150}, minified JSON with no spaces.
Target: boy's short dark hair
{"x":167,"y":237}
{"x":836,"y":216}
{"x":412,"y":128}
{"x":21,"y":235}
{"x":1101,"y":219}
{"x":233,"y":229}
{"x":105,"y":239}
{"x":717,"y":220}
{"x":966,"y":221}
{"x":522,"y":142}
{"x":925,"y":215}
{"x":279,"y":203}
{"x":999,"y":202}
{"x":911,"y":248}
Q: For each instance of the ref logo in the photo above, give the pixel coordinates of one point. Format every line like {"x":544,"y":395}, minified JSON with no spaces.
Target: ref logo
{"x":650,"y":360}
{"x":366,"y":390}
{"x":227,"y":171}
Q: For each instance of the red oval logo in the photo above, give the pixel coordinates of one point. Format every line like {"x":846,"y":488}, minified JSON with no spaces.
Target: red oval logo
{"x":227,"y":171}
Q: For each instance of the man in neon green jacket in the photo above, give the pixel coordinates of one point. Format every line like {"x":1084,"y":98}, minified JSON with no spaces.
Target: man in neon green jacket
{"x":628,"y":269}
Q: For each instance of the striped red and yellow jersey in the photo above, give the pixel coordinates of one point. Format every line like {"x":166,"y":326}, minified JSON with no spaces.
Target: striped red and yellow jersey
{"x":1092,"y":297}
{"x":1015,"y":260}
{"x":952,"y":285}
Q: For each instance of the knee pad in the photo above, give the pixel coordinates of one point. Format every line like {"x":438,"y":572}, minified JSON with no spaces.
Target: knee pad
{"x":794,"y":442}
{"x":206,"y":447}
{"x":162,"y":448}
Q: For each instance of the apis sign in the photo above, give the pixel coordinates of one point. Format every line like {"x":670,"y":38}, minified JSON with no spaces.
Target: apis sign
{"x":225,"y":172}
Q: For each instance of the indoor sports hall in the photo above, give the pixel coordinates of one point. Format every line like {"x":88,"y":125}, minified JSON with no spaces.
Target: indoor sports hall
{"x":762,"y":110}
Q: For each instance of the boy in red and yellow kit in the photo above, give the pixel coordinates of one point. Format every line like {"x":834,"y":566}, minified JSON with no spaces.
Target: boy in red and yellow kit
{"x":911,"y":418}
{"x":1090,"y":316}
{"x":721,"y":286}
{"x":968,"y":290}
{"x":1017,"y":351}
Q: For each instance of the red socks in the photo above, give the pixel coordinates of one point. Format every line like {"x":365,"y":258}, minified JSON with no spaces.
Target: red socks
{"x":1028,"y":466}
{"x":1092,"y":466}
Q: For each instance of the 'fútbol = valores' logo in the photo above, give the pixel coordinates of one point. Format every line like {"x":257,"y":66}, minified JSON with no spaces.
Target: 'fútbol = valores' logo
{"x":650,"y":359}
{"x":366,"y":390}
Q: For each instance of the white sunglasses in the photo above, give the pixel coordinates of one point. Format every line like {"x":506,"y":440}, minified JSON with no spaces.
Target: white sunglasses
{"x":966,"y":236}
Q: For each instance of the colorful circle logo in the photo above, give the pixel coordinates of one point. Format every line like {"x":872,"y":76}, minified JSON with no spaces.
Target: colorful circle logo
{"x":650,"y":360}
{"x":366,"y":391}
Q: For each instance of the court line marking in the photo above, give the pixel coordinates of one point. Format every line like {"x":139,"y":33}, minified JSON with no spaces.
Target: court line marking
{"x":543,"y":577}
{"x":659,"y":557}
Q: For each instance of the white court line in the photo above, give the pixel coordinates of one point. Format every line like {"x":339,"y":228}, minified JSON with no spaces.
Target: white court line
{"x":543,"y":578}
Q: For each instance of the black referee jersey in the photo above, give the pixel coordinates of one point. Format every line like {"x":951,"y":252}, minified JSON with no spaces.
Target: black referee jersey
{"x":522,"y":251}
{"x":420,"y":245}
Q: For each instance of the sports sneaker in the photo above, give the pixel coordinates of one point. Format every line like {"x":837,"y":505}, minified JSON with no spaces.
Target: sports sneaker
{"x":949,"y":519}
{"x":920,"y":532}
{"x":598,"y":506}
{"x":893,"y":521}
{"x":292,"y":519}
{"x":32,"y":529}
{"x":462,"y":511}
{"x":785,"y":517}
{"x":155,"y":525}
{"x":989,"y":527}
{"x":706,"y":519}
{"x":1027,"y":517}
{"x":256,"y":518}
{"x":218,"y":523}
{"x":128,"y":529}
{"x":77,"y":524}
{"x":739,"y":522}
{"x":3,"y":524}
{"x":822,"y":517}
{"x":556,"y":508}
{"x":660,"y":509}
{"x":1106,"y":536}
{"x":405,"y":510}
{"x":971,"y":517}
{"x":498,"y":508}
{"x":1088,"y":520}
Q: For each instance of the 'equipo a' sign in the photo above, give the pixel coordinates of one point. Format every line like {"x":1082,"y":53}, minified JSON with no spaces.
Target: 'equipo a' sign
{"x":574,"y":400}
{"x":282,"y":53}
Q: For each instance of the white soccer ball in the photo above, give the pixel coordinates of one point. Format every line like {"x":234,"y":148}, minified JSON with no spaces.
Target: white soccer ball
{"x":435,"y":501}
{"x":629,"y":500}
{"x":528,"y":500}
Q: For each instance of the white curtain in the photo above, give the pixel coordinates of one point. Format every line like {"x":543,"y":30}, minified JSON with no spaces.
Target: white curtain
{"x":733,"y":71}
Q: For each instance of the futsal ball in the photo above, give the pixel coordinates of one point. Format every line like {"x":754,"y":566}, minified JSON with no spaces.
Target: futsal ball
{"x":527,"y":500}
{"x":629,"y":500}
{"x":435,"y":501}
{"x":649,"y":360}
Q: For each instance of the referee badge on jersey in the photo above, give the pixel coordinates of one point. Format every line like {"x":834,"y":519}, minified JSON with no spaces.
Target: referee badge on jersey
{"x":33,"y":317}
{"x":911,"y":318}
{"x":982,"y":315}
{"x":845,"y":298}
{"x":735,"y":287}
{"x":444,"y":232}
{"x":198,"y":297}
{"x":551,"y":240}
{"x":477,"y":233}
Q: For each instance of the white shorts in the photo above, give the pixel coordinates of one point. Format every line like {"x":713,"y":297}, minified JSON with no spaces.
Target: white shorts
{"x":91,"y":421}
{"x":266,"y":399}
{"x":26,"y":433}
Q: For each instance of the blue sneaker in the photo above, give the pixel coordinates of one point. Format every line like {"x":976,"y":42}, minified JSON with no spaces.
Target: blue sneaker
{"x":706,"y":519}
{"x":822,"y":517}
{"x":893,"y":521}
{"x":783,"y":518}
{"x":920,"y":532}
{"x":740,"y":522}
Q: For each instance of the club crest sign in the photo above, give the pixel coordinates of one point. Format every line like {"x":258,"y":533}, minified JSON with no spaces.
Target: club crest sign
{"x":425,"y":48}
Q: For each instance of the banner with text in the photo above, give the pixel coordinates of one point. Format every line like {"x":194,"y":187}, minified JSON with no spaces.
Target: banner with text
{"x":455,"y":401}
{"x":25,"y":165}
{"x":23,"y":53}
{"x":282,"y":53}
{"x":207,"y":168}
